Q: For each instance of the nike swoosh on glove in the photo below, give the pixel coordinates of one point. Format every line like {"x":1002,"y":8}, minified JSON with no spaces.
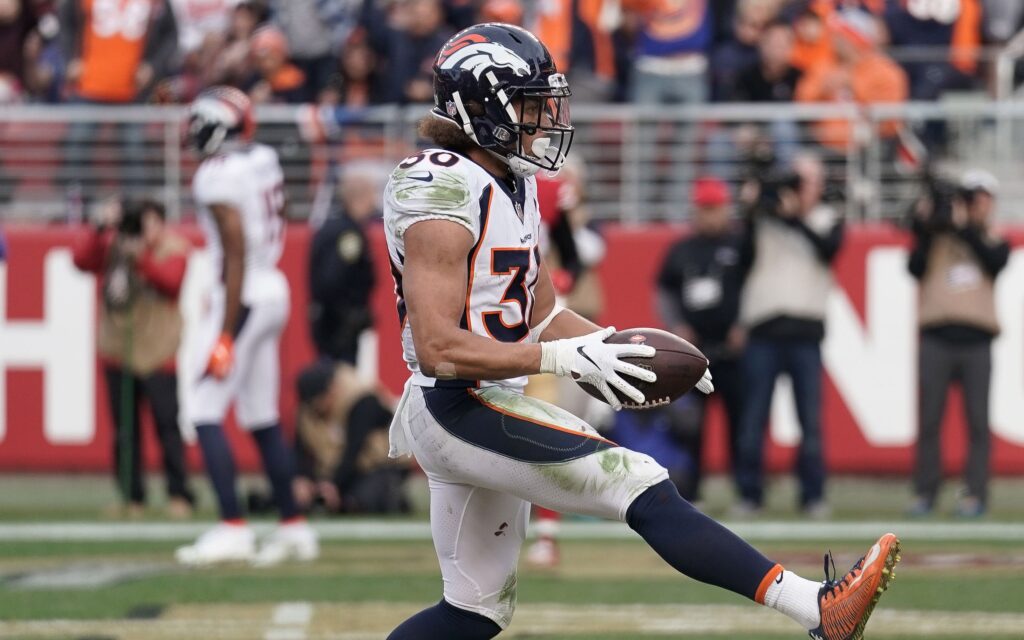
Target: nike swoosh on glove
{"x":589,"y":359}
{"x":704,"y":385}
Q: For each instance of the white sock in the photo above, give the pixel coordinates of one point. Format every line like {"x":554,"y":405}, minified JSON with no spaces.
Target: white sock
{"x":796,"y":597}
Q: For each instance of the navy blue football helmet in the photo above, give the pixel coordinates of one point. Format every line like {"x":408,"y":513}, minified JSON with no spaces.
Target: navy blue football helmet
{"x":498,"y":82}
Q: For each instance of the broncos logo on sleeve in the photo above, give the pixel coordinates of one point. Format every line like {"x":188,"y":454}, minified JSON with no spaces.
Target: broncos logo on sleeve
{"x":476,"y":54}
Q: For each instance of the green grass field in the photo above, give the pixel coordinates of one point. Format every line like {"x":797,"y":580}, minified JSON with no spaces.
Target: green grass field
{"x":958,"y":581}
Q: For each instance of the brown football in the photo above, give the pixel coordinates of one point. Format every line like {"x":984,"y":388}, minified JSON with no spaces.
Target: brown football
{"x":678,"y":364}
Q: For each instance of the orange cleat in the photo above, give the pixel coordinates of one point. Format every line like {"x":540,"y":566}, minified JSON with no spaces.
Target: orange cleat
{"x":845,"y":605}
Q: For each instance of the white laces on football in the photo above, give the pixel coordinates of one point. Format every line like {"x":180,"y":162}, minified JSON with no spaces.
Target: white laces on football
{"x":590,"y":360}
{"x":704,"y":385}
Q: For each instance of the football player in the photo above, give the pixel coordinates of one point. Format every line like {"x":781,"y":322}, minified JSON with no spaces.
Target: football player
{"x":478,"y":315}
{"x":238,"y":190}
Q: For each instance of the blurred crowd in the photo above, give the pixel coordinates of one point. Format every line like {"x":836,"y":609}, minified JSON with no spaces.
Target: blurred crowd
{"x":366,"y":52}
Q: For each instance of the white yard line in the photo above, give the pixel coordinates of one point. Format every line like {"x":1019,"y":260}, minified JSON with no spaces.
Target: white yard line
{"x":373,"y":620}
{"x":290,"y":621}
{"x":390,"y":530}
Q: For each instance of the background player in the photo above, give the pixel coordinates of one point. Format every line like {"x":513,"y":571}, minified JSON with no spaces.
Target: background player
{"x":238,"y":190}
{"x":474,"y":298}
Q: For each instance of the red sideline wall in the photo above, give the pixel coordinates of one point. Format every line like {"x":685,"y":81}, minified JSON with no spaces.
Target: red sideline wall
{"x":633,"y":258}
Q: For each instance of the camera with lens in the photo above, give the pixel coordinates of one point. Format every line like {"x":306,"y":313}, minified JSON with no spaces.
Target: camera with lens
{"x":765,"y":181}
{"x":130,"y":225}
{"x":933,"y":211}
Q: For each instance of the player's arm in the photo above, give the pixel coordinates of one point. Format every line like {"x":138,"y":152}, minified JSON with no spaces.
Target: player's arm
{"x":565,"y":323}
{"x":232,"y":239}
{"x":434,"y":285}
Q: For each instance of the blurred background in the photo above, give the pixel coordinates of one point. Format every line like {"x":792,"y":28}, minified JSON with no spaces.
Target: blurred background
{"x":823,"y":195}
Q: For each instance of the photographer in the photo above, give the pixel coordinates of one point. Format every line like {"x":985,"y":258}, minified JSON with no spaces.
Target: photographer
{"x":140,"y":265}
{"x":792,"y":238}
{"x":341,"y":443}
{"x":956,"y":258}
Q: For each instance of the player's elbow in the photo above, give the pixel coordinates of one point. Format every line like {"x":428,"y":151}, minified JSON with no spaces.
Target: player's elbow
{"x":431,"y":352}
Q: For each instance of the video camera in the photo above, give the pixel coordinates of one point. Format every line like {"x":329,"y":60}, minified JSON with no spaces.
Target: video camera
{"x":130,"y":225}
{"x":932,"y":212}
{"x":770,"y":180}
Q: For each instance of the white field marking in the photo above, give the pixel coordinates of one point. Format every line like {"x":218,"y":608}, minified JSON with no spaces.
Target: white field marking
{"x":391,"y":531}
{"x":289,"y":621}
{"x":295,"y":614}
{"x":371,"y":620}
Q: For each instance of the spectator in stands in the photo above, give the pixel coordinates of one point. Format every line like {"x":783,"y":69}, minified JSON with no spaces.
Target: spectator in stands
{"x":230,"y":61}
{"x":927,"y":31}
{"x":341,"y":275}
{"x":955,"y":27}
{"x":812,"y":44}
{"x":310,"y":27}
{"x":200,"y":20}
{"x":771,"y":78}
{"x":672,"y":44}
{"x":1002,"y":19}
{"x":341,"y":442}
{"x":406,"y":45}
{"x":140,"y":264}
{"x":17,"y":22}
{"x":861,"y":74}
{"x":792,"y":239}
{"x":114,"y":56}
{"x":44,"y":61}
{"x":740,"y":52}
{"x":278,"y":80}
{"x":203,"y":26}
{"x":699,"y":288}
{"x":579,"y":36}
{"x":956,"y":258}
{"x":358,"y":86}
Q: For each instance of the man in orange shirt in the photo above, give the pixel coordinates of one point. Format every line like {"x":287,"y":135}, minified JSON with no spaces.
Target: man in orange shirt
{"x":115,"y":50}
{"x":860,"y":74}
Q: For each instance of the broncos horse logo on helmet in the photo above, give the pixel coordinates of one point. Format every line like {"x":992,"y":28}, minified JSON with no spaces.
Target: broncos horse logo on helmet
{"x":476,"y":54}
{"x":482,"y":73}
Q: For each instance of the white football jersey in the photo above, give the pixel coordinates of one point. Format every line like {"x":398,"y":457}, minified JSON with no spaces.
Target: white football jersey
{"x":250,"y":180}
{"x":504,"y":262}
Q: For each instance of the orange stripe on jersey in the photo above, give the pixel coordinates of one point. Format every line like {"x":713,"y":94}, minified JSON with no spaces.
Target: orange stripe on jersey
{"x":486,"y":217}
{"x":547,"y":425}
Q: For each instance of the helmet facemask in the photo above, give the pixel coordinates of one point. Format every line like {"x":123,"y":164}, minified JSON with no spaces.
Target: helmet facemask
{"x":514,"y":113}
{"x":219,"y":119}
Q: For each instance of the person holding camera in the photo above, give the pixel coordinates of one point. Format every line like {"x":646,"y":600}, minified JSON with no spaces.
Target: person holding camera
{"x":140,"y":264}
{"x":956,"y":259}
{"x":792,"y":238}
{"x":341,"y":443}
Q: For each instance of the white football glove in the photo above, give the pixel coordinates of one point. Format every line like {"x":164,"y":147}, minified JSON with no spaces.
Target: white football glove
{"x":704,"y":385}
{"x":589,"y":359}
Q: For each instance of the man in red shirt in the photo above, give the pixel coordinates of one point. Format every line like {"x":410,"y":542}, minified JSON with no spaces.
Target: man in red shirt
{"x":141,"y":266}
